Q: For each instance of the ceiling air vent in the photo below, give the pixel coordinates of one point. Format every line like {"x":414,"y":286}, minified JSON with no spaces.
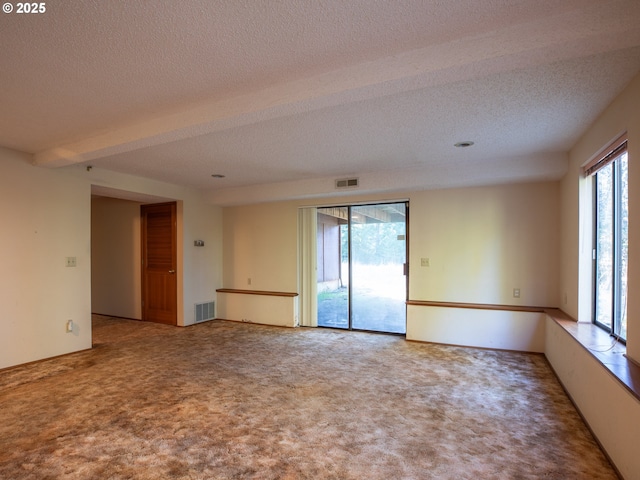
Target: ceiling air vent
{"x":347,"y":183}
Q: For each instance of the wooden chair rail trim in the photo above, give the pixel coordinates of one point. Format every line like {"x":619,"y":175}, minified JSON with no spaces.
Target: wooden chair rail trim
{"x":257,"y":292}
{"x":477,"y":306}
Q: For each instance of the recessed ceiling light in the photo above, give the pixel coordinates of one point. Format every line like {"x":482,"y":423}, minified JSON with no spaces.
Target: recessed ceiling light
{"x":463,"y":144}
{"x":217,"y":175}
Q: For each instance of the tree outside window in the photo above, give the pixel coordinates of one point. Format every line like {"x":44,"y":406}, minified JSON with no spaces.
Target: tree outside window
{"x":611,"y":195}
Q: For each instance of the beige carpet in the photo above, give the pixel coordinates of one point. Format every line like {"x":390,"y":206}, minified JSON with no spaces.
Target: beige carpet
{"x":224,"y":400}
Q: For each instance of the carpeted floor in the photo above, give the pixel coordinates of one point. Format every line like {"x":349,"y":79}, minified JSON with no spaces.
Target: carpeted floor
{"x":224,"y":400}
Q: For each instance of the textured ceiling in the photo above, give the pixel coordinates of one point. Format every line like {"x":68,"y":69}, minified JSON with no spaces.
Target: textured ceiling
{"x":283,"y":97}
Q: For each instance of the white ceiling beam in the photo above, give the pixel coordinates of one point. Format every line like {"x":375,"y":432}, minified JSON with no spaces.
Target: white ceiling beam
{"x":594,"y":31}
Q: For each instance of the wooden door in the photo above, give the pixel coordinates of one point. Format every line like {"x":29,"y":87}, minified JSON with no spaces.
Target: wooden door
{"x":159,"y":284}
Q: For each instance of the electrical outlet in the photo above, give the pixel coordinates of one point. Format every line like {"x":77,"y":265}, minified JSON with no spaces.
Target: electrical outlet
{"x":516,"y":293}
{"x":71,"y":262}
{"x":249,"y":281}
{"x":424,"y":262}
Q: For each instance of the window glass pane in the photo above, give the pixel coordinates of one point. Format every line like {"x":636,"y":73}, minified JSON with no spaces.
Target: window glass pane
{"x":604,"y":246}
{"x":332,"y":255}
{"x":621,"y":328}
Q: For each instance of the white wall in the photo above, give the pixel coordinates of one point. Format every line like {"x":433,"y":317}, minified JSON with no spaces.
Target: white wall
{"x":279,"y":311}
{"x":116,"y":258}
{"x":496,"y":329}
{"x":46,"y":217}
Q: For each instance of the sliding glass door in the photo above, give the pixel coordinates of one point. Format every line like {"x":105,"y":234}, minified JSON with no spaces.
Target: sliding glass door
{"x":333,"y":267}
{"x":378,"y":257}
{"x":362,"y":253}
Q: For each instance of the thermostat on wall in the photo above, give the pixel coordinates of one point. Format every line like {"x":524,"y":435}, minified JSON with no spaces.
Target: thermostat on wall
{"x":198,"y":243}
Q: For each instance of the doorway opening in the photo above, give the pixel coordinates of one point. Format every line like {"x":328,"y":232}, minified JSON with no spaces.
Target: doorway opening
{"x":116,"y":253}
{"x":362,"y":267}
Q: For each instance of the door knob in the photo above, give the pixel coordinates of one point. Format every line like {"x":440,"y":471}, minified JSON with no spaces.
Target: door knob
{"x":172,"y":271}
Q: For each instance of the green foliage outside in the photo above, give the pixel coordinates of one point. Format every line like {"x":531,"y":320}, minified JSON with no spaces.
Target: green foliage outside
{"x":375,"y":243}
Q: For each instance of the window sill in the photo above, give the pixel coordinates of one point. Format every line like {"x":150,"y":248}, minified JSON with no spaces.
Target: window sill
{"x":598,"y":343}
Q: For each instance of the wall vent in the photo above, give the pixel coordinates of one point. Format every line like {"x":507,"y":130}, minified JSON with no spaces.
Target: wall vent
{"x":205,"y":311}
{"x":347,"y":183}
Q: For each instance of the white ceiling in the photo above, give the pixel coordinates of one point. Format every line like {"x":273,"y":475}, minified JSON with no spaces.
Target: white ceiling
{"x":285,"y":96}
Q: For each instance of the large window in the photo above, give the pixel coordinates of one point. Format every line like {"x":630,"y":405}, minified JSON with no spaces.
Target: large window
{"x":610,"y":253}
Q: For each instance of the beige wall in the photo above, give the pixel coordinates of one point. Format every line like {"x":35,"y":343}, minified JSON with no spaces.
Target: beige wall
{"x":260,"y":253}
{"x":47,"y":217}
{"x":613,"y":414}
{"x":115,"y":258}
{"x":482,"y":242}
{"x":202,"y":266}
{"x":622,"y":115}
{"x":260,"y":243}
{"x":609,"y":409}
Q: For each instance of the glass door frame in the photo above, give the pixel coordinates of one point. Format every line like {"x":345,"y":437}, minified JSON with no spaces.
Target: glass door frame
{"x":349,"y":208}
